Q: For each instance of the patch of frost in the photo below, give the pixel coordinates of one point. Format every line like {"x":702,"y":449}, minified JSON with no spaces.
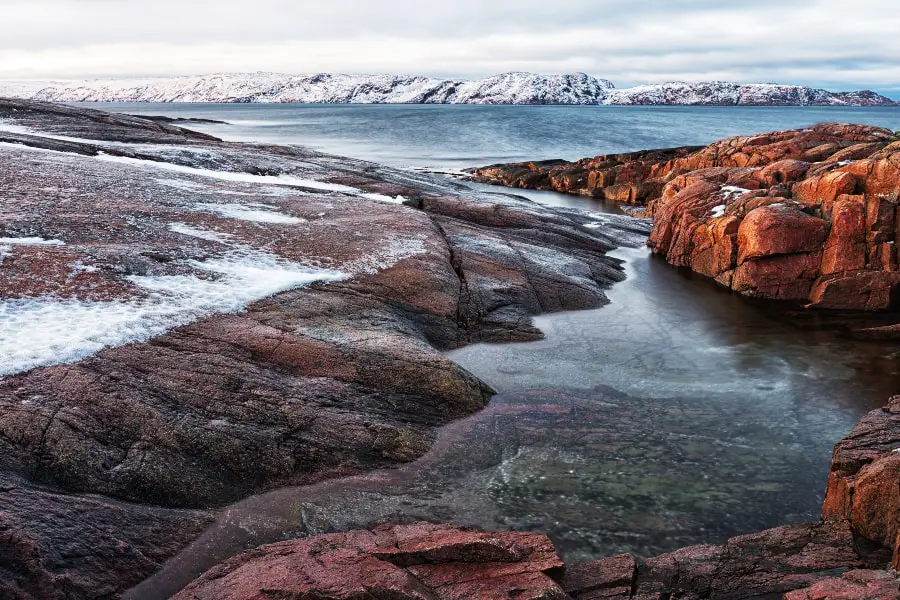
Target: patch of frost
{"x":386,"y":257}
{"x":717,"y":211}
{"x":733,"y":190}
{"x":383,"y":198}
{"x":30,"y":241}
{"x":288,"y":180}
{"x":203,"y":234}
{"x":46,"y":331}
{"x":246,"y":213}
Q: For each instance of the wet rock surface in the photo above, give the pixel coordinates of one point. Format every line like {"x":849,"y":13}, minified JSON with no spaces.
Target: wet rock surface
{"x":422,"y":561}
{"x":803,"y":215}
{"x":277,"y":316}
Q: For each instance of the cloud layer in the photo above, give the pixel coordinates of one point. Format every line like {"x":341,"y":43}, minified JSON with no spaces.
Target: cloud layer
{"x":818,"y":42}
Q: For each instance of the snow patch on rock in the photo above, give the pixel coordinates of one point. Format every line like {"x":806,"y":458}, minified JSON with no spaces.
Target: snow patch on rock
{"x":29,"y":241}
{"x":47,"y":331}
{"x":258,"y":213}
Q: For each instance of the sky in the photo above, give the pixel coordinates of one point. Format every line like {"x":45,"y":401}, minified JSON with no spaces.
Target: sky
{"x":835,"y":44}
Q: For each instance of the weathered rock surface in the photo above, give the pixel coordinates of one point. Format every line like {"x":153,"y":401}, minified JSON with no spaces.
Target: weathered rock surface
{"x":435,"y":562}
{"x":804,"y":215}
{"x":631,"y":177}
{"x":853,"y":585}
{"x":193,"y":321}
{"x":415,"y":562}
{"x":864,"y":485}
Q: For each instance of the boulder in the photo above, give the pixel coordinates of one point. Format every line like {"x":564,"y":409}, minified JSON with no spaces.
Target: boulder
{"x":864,"y":484}
{"x":403,"y":562}
{"x":845,"y":248}
{"x":779,"y":229}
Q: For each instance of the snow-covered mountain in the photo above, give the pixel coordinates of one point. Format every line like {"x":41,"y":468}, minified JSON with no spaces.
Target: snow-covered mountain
{"x":508,"y":88}
{"x":723,"y":93}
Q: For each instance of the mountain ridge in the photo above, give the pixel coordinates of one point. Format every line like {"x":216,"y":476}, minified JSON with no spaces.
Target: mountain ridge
{"x":505,"y":88}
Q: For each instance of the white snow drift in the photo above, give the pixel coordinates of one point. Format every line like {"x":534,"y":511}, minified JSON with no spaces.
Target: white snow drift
{"x":46,"y":331}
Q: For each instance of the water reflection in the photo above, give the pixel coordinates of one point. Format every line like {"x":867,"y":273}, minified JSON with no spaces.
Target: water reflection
{"x":679,"y":414}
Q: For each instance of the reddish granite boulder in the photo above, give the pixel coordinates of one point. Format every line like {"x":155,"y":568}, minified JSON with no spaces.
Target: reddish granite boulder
{"x":414,"y":562}
{"x":852,"y":585}
{"x":864,"y":485}
{"x":774,"y":230}
{"x":845,"y":249}
{"x":826,"y":195}
{"x":823,"y":189}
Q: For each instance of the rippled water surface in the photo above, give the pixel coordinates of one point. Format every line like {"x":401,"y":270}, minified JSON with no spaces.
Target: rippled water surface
{"x":465,"y":135}
{"x":678,"y":414}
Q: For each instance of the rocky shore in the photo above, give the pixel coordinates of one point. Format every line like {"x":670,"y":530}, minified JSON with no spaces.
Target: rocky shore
{"x":806,"y":215}
{"x":188,"y":322}
{"x":850,"y":554}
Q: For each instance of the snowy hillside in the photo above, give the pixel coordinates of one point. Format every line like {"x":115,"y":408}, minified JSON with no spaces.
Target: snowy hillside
{"x":722,"y":93}
{"x":508,"y":88}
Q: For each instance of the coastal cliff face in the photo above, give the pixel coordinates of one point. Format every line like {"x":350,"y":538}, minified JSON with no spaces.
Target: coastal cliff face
{"x":804,"y":215}
{"x":506,"y":88}
{"x":188,"y":322}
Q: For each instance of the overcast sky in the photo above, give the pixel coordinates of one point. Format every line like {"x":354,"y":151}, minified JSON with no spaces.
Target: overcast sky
{"x":830,"y":43}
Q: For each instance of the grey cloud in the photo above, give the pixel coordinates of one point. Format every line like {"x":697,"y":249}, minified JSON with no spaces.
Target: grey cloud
{"x":628,"y":41}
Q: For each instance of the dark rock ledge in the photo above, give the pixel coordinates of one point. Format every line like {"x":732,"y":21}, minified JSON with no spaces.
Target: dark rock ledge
{"x":111,"y":463}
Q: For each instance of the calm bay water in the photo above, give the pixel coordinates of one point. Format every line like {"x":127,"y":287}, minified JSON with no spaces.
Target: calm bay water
{"x":459,"y":136}
{"x":678,"y":414}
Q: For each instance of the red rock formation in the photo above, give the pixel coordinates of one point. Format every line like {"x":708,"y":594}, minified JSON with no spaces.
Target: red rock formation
{"x":864,"y":485}
{"x":852,"y":585}
{"x":111,"y":460}
{"x":443,"y":562}
{"x":412,"y":562}
{"x":815,"y":209}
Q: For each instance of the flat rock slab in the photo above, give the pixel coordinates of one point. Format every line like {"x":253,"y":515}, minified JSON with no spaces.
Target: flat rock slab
{"x":412,"y":562}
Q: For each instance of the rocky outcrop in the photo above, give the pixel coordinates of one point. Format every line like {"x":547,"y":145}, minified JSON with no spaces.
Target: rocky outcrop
{"x":440,"y":562}
{"x":805,"y":215}
{"x":630,"y":177}
{"x":189,"y":321}
{"x":864,"y":485}
{"x":421,"y":561}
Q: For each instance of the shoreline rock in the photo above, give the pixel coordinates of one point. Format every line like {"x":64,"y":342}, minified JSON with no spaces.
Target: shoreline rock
{"x":807,"y":216}
{"x":247,"y":390}
{"x":443,"y":562}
